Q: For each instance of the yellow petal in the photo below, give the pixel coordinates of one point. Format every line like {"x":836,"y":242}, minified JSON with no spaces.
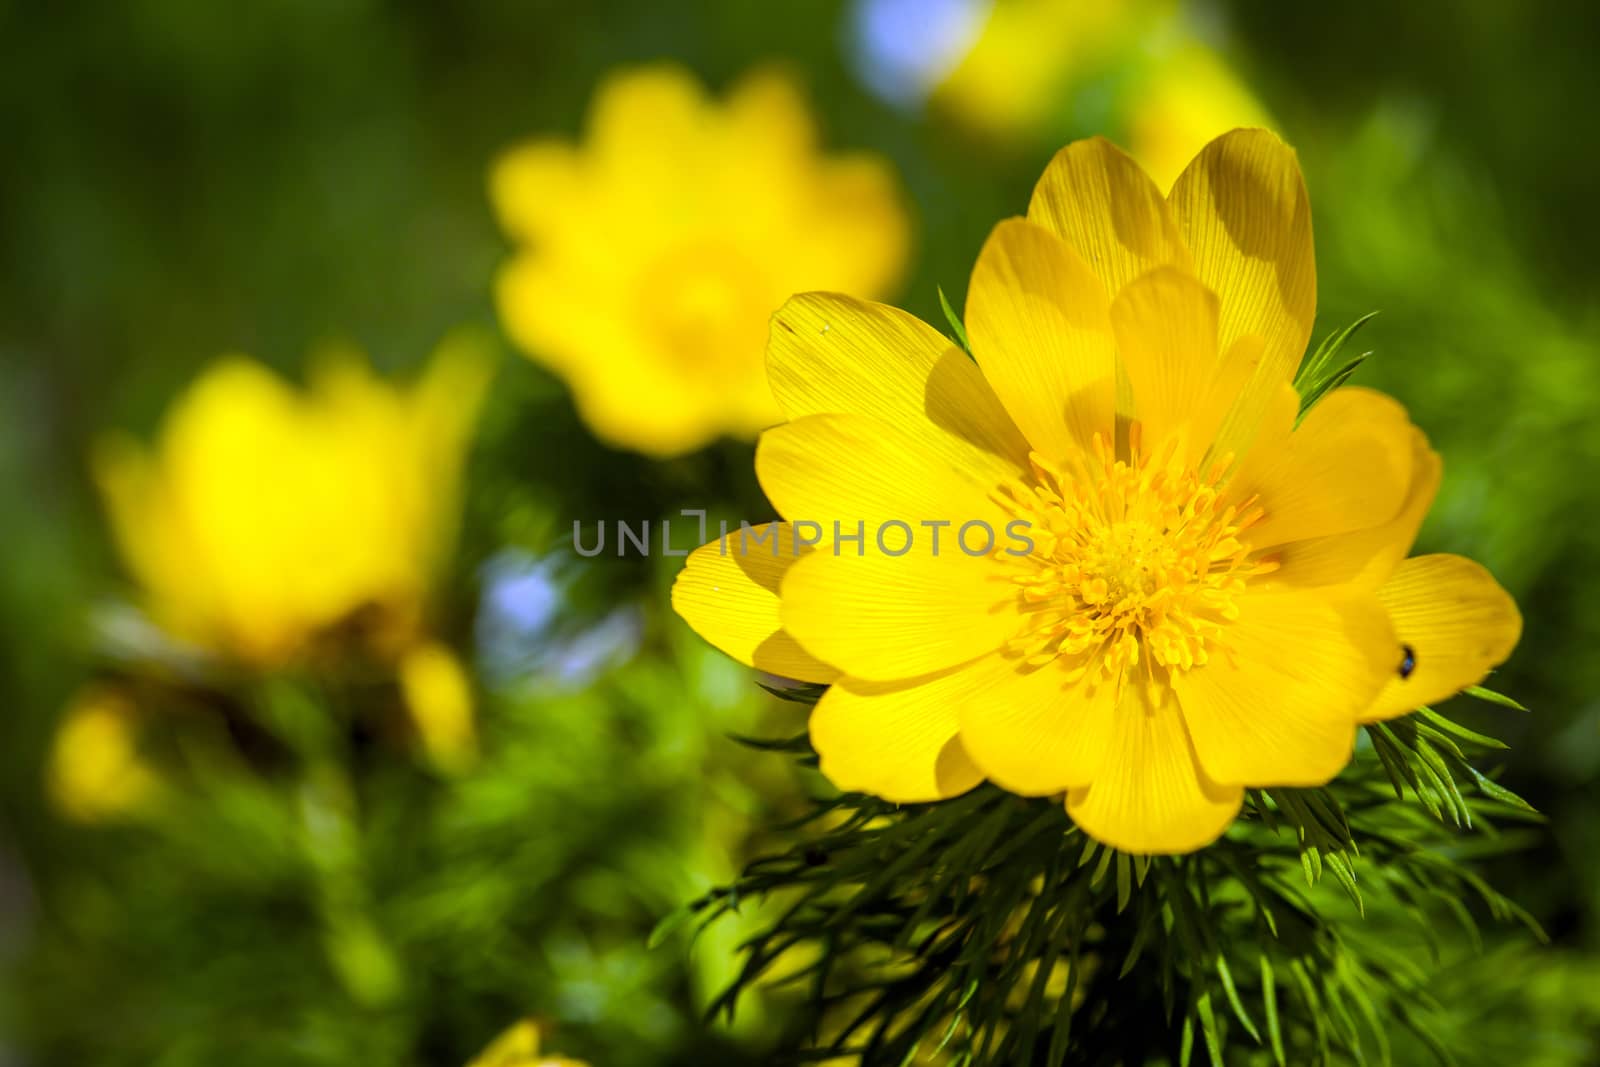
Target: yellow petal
{"x":1231,"y":414}
{"x":860,"y":231}
{"x":438,"y":695}
{"x":519,"y":1047}
{"x":895,"y":741}
{"x":514,"y":1047}
{"x":159,"y":549}
{"x":1278,"y":703}
{"x":728,"y":594}
{"x":229,"y":488}
{"x":834,"y":354}
{"x":769,"y":114}
{"x":852,"y":469}
{"x":1244,"y":214}
{"x":1458,"y":624}
{"x":1185,"y":101}
{"x":884,"y":617}
{"x":833,"y":222}
{"x":1365,"y":558}
{"x":1346,"y":467}
{"x":1022,"y":58}
{"x":533,"y":188}
{"x":561,"y":318}
{"x":1032,"y":730}
{"x":1166,"y":329}
{"x":1108,"y":210}
{"x":1149,"y":795}
{"x":444,"y":408}
{"x":678,"y":418}
{"x":1040,"y":329}
{"x":95,"y":771}
{"x":639,"y":123}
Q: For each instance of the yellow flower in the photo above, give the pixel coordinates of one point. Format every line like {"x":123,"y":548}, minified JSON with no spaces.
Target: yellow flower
{"x":519,"y":1047}
{"x":1033,"y":65}
{"x":654,"y":255}
{"x":1029,"y":56}
{"x":95,"y":770}
{"x":268,"y":518}
{"x":1211,"y":597}
{"x":1183,"y":102}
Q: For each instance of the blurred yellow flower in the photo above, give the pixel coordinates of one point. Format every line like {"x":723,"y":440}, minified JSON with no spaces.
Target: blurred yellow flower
{"x":1034,"y":62}
{"x":272,"y":525}
{"x":1185,"y":101}
{"x":95,"y":771}
{"x":1029,"y":56}
{"x":519,"y":1047}
{"x":652,"y":256}
{"x":439,"y":695}
{"x":269,"y":518}
{"x":1206,"y":595}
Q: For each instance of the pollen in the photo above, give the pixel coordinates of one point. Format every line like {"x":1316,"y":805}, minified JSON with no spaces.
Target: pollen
{"x":1136,"y":561}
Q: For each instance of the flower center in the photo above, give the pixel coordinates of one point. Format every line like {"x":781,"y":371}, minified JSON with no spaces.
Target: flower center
{"x":706,"y":304}
{"x":1135,"y":560}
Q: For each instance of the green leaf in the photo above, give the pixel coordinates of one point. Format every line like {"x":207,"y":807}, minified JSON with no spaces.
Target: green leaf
{"x":1328,"y":352}
{"x":1313,"y":1004}
{"x":670,"y":923}
{"x":1433,"y":764}
{"x":1492,"y":697}
{"x":1269,"y":1001}
{"x":1061,"y":1038}
{"x":1493,"y":789}
{"x":956,"y":325}
{"x":1393,"y":759}
{"x":1103,"y":866}
{"x":1148,"y":919}
{"x":800,"y":693}
{"x":1327,"y":369}
{"x":1232,"y":993}
{"x":798,"y":744}
{"x":1208,"y":1028}
{"x":1124,"y":882}
{"x":1458,"y":731}
{"x":1369,"y":1014}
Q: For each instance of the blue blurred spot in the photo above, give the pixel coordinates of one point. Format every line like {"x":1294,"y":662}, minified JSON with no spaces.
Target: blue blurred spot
{"x":527,"y":630}
{"x":520,"y":592}
{"x":901,"y":49}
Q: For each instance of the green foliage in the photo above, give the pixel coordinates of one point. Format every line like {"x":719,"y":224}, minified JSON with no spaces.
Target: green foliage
{"x":987,"y":929}
{"x":311,"y":896}
{"x":1328,"y":367}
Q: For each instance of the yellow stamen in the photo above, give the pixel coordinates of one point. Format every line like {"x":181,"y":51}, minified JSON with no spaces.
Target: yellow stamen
{"x":1136,"y":561}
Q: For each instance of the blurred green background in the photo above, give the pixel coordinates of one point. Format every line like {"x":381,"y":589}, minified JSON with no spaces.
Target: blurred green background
{"x":182,"y":179}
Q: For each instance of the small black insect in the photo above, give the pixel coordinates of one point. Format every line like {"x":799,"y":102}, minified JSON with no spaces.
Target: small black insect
{"x":1408,"y":660}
